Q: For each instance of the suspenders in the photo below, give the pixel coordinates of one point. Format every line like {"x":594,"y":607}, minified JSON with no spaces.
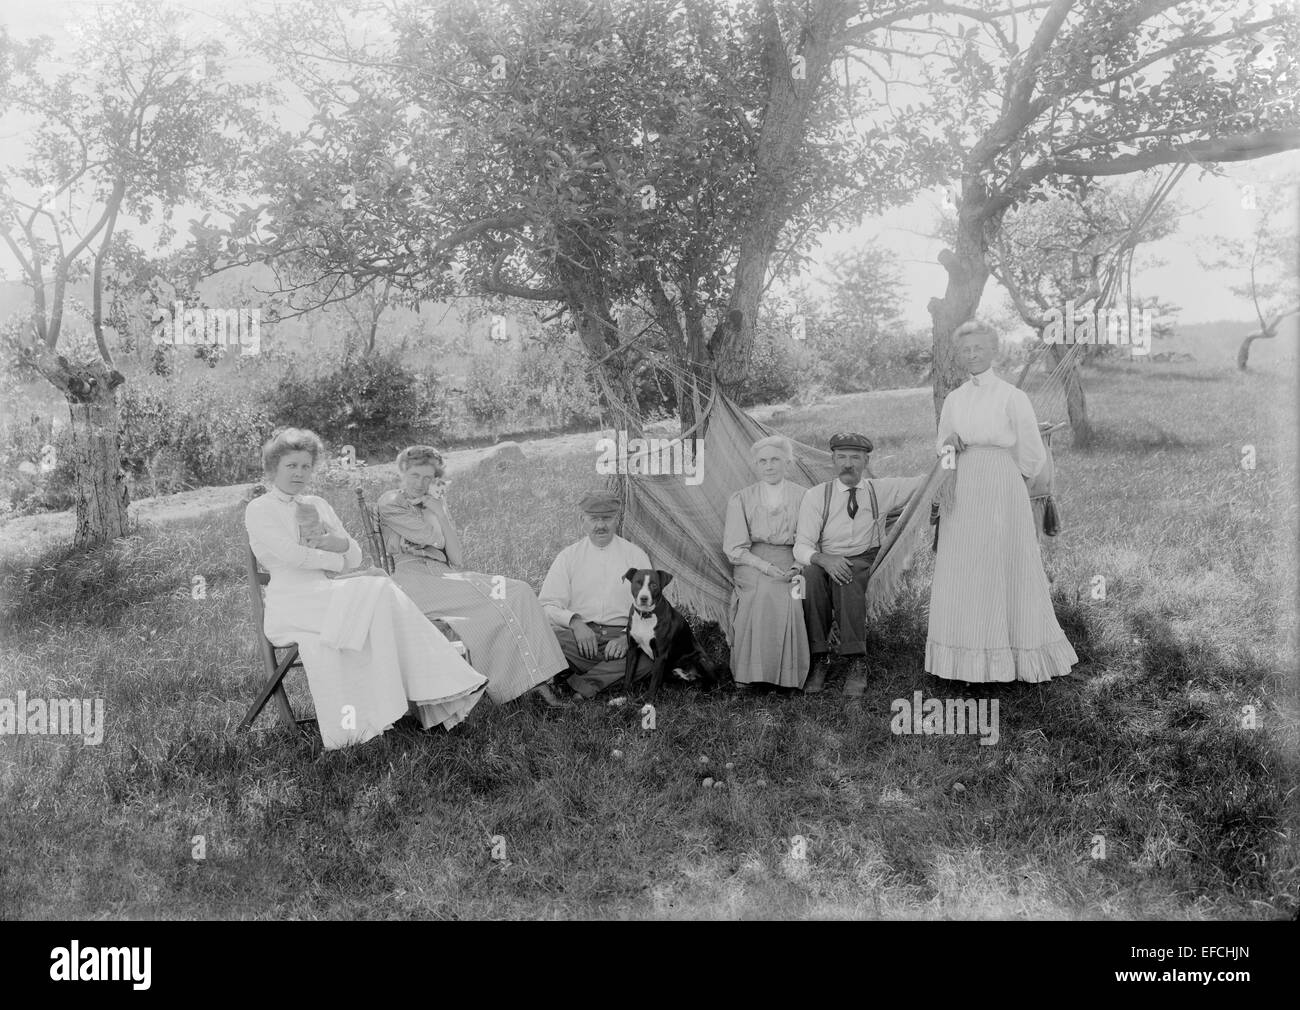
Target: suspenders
{"x":826,"y":511}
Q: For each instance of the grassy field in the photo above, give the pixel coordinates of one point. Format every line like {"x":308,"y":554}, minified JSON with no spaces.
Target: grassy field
{"x":1143,"y":748}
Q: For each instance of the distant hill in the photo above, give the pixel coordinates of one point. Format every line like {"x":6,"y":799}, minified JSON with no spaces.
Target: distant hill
{"x":1216,"y":343}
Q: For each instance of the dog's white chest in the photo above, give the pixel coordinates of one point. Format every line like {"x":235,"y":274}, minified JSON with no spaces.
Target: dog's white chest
{"x":642,"y":630}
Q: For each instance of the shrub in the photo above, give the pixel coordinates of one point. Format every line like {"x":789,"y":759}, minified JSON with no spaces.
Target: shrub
{"x":370,"y":401}
{"x":177,"y":435}
{"x":491,"y":389}
{"x":773,"y":374}
{"x":556,"y":385}
{"x":35,"y":465}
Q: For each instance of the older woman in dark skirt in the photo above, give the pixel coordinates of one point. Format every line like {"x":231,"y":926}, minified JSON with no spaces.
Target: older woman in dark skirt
{"x":769,"y":642}
{"x":499,"y":618}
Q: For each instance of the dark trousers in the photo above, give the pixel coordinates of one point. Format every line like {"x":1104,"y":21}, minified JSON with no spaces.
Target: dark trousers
{"x":824,"y":599}
{"x":594,"y":675}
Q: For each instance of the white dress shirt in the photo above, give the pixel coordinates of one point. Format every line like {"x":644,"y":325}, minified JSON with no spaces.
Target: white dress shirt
{"x":588,"y":581}
{"x":986,"y":410}
{"x":843,"y":536}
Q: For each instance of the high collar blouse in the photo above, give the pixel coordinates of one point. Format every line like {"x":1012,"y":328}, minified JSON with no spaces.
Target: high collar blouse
{"x":986,"y":410}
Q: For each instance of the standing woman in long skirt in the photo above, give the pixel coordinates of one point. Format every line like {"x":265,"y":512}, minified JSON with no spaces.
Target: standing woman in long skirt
{"x":991,"y":616}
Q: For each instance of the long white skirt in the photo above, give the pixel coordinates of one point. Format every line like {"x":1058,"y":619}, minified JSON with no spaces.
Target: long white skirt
{"x":991,"y":616}
{"x":371,"y":657}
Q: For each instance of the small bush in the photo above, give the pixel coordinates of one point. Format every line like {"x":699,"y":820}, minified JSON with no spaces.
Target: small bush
{"x":35,"y":465}
{"x":370,"y":401}
{"x":178,"y":435}
{"x":773,"y":375}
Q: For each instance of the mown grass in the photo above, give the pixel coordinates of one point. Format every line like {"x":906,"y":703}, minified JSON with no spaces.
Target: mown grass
{"x":1143,"y":746}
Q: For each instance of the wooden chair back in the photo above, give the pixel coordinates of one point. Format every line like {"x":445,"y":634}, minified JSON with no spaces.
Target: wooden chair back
{"x":370,"y":523}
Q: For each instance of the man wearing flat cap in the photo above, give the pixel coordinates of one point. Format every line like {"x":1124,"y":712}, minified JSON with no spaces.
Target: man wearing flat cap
{"x":841,"y":528}
{"x":587,"y":601}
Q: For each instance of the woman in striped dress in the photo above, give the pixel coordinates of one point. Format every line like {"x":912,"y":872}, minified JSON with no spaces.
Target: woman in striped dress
{"x":991,"y":616}
{"x":499,"y":619}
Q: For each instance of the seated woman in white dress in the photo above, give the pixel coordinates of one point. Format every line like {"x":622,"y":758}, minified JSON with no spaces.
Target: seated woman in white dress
{"x":769,"y":641}
{"x":369,"y":654}
{"x":991,"y":616}
{"x":500,"y":620}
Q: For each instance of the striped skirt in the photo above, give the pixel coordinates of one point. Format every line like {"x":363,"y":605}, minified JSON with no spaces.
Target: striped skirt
{"x":508,"y":635}
{"x":991,"y":616}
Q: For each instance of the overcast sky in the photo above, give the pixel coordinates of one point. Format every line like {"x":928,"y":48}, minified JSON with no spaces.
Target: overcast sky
{"x":1215,"y":206}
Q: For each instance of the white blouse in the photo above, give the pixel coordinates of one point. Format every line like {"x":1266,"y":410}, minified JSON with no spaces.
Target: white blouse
{"x":986,"y":410}
{"x":273,"y":533}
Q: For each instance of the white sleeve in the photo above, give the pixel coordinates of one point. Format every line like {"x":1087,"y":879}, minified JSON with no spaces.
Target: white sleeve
{"x":1030,"y":454}
{"x":274,"y":547}
{"x":945,"y":424}
{"x":554,"y":595}
{"x":352,"y":559}
{"x":809,"y":519}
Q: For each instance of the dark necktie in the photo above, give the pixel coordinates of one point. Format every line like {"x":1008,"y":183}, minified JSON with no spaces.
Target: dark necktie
{"x":853,"y":502}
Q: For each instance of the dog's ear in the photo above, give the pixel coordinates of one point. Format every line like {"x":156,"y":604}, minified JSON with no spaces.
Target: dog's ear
{"x":664,"y":577}
{"x":629,"y":574}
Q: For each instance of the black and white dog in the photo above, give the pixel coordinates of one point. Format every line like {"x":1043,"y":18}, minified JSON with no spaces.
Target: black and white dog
{"x":656,"y":628}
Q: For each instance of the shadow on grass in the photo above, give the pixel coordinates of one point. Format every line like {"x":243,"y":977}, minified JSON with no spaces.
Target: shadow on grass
{"x":1142,"y":441}
{"x":1170,"y":775}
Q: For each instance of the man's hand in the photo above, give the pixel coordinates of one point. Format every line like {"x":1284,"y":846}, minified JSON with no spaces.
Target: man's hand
{"x":838,"y":568}
{"x":616,"y":648}
{"x":588,"y":644}
{"x":955,"y":441}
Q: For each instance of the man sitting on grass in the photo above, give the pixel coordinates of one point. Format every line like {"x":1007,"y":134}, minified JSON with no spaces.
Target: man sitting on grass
{"x":587,"y":600}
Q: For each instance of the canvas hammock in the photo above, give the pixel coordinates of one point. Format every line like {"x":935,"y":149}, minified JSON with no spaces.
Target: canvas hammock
{"x":680,"y":525}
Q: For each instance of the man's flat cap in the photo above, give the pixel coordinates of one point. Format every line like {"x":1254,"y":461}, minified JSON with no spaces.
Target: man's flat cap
{"x":851,"y":440}
{"x":600,"y":503}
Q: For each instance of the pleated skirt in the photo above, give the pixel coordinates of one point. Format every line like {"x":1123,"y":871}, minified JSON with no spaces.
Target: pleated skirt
{"x":500,"y":620}
{"x":991,"y":616}
{"x":769,"y":642}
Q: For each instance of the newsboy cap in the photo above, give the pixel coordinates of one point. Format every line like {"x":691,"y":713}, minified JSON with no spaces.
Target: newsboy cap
{"x":851,"y":440}
{"x":600,"y":503}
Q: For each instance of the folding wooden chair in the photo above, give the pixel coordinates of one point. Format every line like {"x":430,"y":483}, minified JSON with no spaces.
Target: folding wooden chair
{"x":274,"y":664}
{"x":381,"y":557}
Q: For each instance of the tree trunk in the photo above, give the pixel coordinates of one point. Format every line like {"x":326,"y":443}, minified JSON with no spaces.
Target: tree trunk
{"x":101,"y":489}
{"x":967,"y":274}
{"x":594,"y":321}
{"x":781,"y":137}
{"x":1243,"y":353}
{"x":1076,"y":404}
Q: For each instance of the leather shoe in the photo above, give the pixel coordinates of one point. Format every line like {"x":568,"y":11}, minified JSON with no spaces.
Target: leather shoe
{"x":548,"y":695}
{"x":816,"y":681}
